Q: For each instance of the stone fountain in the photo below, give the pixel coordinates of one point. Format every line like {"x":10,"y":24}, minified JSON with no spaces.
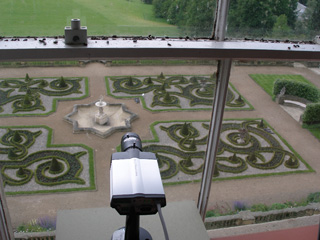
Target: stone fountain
{"x":100,"y":118}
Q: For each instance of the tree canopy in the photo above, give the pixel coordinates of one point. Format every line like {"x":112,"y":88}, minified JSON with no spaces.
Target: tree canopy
{"x":254,"y":18}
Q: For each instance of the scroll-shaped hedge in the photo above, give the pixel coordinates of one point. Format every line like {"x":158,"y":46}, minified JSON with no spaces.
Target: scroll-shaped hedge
{"x":311,"y":114}
{"x":298,"y":89}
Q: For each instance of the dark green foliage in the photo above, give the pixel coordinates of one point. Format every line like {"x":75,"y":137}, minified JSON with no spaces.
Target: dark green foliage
{"x":62,"y":83}
{"x":312,"y":15}
{"x":234,"y":158}
{"x":161,"y":76}
{"x":292,"y":163}
{"x":29,"y":92}
{"x":180,"y":87}
{"x":192,"y":17}
{"x":21,"y":172}
{"x":185,"y":129}
{"x":259,"y":207}
{"x":11,"y":154}
{"x":5,"y":83}
{"x":34,"y":91}
{"x":160,"y":162}
{"x":314,"y":197}
{"x":149,"y":81}
{"x":311,"y":114}
{"x":298,"y":89}
{"x":160,"y":8}
{"x":193,"y":145}
{"x":163,"y":87}
{"x":16,"y":137}
{"x":167,"y":98}
{"x":27,"y":78}
{"x":252,"y":157}
{"x":55,"y":166}
{"x":257,"y":18}
{"x":216,"y":171}
{"x":188,"y":162}
{"x":43,"y":84}
{"x":261,"y":124}
{"x":239,"y":99}
{"x":130,"y":82}
{"x":26,"y":101}
{"x":277,"y":206}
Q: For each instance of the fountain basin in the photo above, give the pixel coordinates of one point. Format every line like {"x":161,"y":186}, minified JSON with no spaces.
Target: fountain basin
{"x":83,"y":118}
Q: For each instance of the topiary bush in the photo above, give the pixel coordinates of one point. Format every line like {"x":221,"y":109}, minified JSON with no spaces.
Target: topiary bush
{"x":311,"y":114}
{"x":298,"y":89}
{"x":55,"y":166}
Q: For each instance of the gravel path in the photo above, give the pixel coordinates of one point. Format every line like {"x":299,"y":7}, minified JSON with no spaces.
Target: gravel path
{"x":268,"y":190}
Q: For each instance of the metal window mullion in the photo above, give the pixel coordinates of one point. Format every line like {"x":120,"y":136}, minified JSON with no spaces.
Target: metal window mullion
{"x":224,"y":69}
{"x":6,"y":232}
{"x":223,"y":74}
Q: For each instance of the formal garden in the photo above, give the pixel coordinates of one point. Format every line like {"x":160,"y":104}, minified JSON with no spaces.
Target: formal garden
{"x":248,"y":147}
{"x":38,"y":96}
{"x":173,"y":93}
{"x":30,"y":163}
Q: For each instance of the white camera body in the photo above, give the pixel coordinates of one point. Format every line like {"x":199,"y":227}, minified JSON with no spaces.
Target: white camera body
{"x":135,"y":180}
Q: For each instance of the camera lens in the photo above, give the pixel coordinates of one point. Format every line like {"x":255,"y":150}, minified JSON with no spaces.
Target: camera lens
{"x":130,"y":140}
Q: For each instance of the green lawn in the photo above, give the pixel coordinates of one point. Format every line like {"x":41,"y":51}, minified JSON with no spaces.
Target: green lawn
{"x":102,"y":17}
{"x":314,"y":129}
{"x":266,"y":81}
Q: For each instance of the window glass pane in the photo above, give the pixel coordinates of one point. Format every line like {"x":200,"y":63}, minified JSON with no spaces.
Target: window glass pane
{"x":284,"y":19}
{"x":107,"y":18}
{"x":262,"y":141}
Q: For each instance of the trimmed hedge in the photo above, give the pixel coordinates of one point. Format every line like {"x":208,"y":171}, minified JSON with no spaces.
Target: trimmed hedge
{"x":298,"y":89}
{"x":311,"y":114}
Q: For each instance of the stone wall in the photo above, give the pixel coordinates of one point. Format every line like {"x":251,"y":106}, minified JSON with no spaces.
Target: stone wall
{"x":248,"y":217}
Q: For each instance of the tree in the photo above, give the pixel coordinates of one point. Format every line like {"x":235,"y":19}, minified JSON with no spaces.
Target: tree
{"x":304,"y":2}
{"x":287,"y":8}
{"x":251,"y":16}
{"x":177,"y":13}
{"x":312,"y":15}
{"x":257,"y":17}
{"x":200,"y":17}
{"x":281,"y":28}
{"x":160,"y":8}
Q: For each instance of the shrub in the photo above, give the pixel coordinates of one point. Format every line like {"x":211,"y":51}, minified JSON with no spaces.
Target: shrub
{"x":185,"y":129}
{"x":314,"y":197}
{"x":259,"y":207}
{"x":278,"y":206}
{"x":21,"y":172}
{"x":311,"y":114}
{"x":55,"y":166}
{"x":16,"y":137}
{"x":62,"y":83}
{"x":298,"y":89}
